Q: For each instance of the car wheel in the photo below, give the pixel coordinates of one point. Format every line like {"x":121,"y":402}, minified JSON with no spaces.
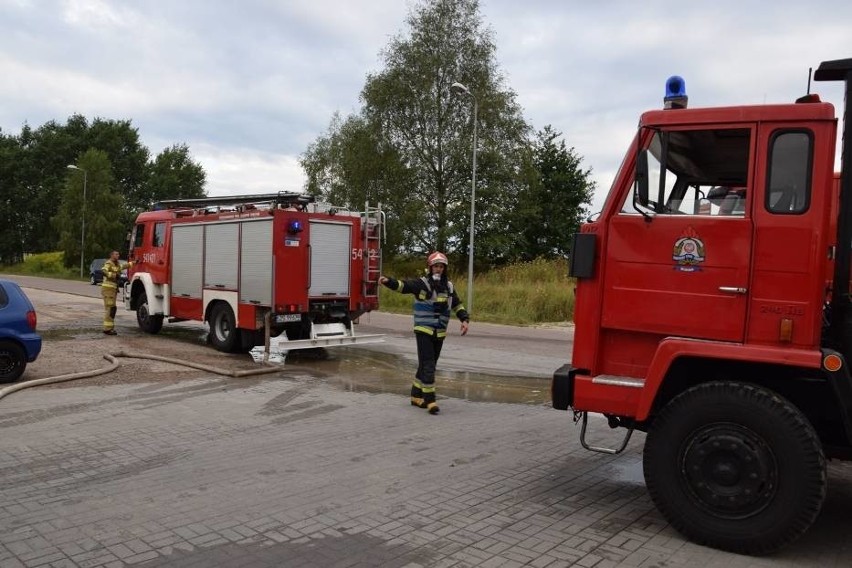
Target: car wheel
{"x":147,"y":322}
{"x":224,"y":334}
{"x":736,"y":467}
{"x":13,"y":361}
{"x":92,"y":280}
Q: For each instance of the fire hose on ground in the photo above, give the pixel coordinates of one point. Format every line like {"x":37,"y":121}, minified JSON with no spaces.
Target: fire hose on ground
{"x":114,"y":364}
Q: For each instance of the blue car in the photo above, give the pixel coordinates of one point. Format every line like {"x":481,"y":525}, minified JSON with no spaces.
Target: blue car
{"x":19,"y":342}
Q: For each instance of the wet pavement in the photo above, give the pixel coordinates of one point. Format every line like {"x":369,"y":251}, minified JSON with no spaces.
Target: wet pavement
{"x":326,"y":464}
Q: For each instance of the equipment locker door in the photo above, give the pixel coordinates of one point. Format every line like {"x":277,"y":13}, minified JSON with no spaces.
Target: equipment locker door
{"x":331,"y":248}
{"x":678,"y":256}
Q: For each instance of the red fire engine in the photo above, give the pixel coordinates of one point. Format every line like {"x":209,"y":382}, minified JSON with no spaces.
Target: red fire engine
{"x":713,"y":313}
{"x":254,"y":266}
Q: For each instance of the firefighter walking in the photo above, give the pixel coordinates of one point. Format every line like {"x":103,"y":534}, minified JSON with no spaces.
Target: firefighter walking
{"x":109,"y":290}
{"x":434,"y":299}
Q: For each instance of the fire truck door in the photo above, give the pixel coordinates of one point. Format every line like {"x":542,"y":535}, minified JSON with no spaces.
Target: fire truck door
{"x":787,"y":291}
{"x":678,"y":254}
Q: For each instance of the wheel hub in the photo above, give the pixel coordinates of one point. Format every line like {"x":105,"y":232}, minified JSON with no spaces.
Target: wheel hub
{"x":729,"y":470}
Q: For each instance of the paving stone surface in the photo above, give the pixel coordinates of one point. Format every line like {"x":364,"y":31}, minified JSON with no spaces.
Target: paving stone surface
{"x":157,"y":466}
{"x":290,"y":471}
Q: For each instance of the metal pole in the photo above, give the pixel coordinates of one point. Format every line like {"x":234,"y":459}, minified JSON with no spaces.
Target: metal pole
{"x":472,"y":212}
{"x":83,"y":229}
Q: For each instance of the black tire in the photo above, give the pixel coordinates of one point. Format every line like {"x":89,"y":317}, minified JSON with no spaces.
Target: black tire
{"x":147,"y":322}
{"x":13,"y":361}
{"x":736,"y":467}
{"x":224,"y":334}
{"x":92,"y":280}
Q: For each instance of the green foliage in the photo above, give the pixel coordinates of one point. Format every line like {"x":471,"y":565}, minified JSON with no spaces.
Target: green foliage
{"x":552,"y":208}
{"x":526,"y":293}
{"x":174,"y":175}
{"x":90,"y":207}
{"x":410,"y":146}
{"x":43,"y":264}
{"x":34,"y":177}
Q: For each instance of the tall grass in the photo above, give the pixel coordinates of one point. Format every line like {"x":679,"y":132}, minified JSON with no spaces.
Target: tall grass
{"x":524,"y":294}
{"x":48,"y":264}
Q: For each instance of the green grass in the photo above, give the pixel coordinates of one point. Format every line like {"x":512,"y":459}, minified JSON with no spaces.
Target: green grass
{"x":520,"y":294}
{"x":49,"y":264}
{"x":528,"y":293}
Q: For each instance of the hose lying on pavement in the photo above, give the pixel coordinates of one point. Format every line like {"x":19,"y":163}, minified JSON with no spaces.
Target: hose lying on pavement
{"x":115,"y":364}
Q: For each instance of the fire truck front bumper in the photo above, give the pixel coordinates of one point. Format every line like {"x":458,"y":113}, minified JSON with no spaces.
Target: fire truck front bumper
{"x":562,"y":387}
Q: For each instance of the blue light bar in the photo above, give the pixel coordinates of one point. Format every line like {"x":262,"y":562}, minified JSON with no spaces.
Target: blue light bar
{"x":675,"y":93}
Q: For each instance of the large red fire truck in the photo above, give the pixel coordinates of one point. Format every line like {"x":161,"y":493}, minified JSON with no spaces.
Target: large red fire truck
{"x":256,"y":266}
{"x":713,"y":313}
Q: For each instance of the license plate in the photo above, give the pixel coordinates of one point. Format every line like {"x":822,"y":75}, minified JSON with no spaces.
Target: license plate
{"x":285,"y":318}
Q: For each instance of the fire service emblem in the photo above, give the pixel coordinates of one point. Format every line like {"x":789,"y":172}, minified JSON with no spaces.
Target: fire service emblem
{"x":688,"y":251}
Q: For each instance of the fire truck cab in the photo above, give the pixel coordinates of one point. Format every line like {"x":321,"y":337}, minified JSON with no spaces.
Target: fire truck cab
{"x":713,"y":312}
{"x":255,"y":266}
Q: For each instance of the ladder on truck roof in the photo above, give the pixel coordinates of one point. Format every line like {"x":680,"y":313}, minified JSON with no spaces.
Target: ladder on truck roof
{"x":373,"y":228}
{"x":281,"y":199}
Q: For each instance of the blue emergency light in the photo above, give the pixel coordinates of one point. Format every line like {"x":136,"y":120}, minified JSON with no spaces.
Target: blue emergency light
{"x":675,"y":93}
{"x":295,"y":227}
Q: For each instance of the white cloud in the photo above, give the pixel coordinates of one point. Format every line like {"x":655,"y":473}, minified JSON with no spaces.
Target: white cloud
{"x":236,"y":171}
{"x":248,"y":85}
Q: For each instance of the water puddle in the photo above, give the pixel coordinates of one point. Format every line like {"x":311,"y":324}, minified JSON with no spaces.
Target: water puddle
{"x":360,"y":370}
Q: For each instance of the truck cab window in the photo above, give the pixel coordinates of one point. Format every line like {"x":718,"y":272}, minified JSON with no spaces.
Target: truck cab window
{"x":138,"y":235}
{"x":159,"y":235}
{"x":692,"y":172}
{"x":789,"y":185}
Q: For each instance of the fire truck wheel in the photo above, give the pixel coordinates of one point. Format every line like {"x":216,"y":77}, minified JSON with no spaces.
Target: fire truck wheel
{"x":147,"y":322}
{"x":13,"y":361}
{"x":735,"y":466}
{"x":224,"y":334}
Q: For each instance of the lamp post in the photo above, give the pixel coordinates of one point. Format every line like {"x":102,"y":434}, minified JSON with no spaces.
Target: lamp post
{"x":463,"y":90}
{"x":83,"y":228}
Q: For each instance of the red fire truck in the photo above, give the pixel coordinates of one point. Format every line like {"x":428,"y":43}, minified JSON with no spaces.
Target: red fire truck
{"x":713,"y":313}
{"x":256,"y":266}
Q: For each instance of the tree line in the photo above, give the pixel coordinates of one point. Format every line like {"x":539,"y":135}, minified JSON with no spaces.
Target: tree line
{"x":42,"y":198}
{"x":410,"y":148}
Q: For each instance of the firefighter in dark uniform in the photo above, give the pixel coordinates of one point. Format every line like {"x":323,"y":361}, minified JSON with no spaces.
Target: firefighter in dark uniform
{"x":434,"y":299}
{"x":109,"y":290}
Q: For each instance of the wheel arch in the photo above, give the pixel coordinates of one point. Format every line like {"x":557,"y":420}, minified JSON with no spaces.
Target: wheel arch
{"x":808,"y":389}
{"x":142,"y":282}
{"x":213,"y":297}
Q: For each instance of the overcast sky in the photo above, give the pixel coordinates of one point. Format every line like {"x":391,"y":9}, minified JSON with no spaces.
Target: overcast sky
{"x":248,"y":84}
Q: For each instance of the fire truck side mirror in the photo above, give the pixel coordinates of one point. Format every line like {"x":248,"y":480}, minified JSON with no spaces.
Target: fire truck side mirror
{"x":581,"y":260}
{"x":640,"y":192}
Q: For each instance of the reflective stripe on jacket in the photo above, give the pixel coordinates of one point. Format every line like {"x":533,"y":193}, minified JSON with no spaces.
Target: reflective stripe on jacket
{"x":431,"y":307}
{"x":111,"y":271}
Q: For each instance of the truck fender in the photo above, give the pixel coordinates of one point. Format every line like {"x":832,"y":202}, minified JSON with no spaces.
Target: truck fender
{"x":155,"y":293}
{"x":229,"y":297}
{"x":672,"y":348}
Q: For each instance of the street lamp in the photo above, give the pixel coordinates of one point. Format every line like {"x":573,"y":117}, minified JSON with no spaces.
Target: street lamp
{"x":83,"y":229}
{"x":460,"y":89}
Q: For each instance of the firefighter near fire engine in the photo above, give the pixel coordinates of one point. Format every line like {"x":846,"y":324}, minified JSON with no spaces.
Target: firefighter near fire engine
{"x":434,"y":299}
{"x":109,"y":290}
